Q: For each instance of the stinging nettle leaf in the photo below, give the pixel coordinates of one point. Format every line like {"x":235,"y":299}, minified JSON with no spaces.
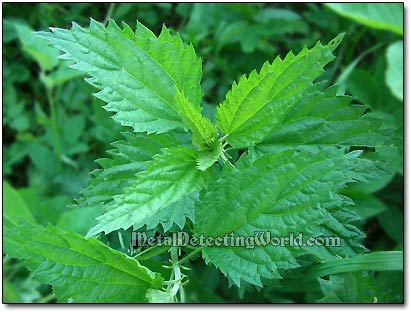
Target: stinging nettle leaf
{"x":322,"y":118}
{"x":169,"y":177}
{"x":204,"y":133}
{"x":287,"y":192}
{"x":176,"y":213}
{"x":207,"y":157}
{"x":118,"y":171}
{"x":136,"y":72}
{"x":80,"y":270}
{"x":295,"y":138}
{"x":258,"y":103}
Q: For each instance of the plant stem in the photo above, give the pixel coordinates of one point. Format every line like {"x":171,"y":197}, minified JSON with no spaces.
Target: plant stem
{"x":188,"y":257}
{"x":53,"y":119}
{"x":160,"y":250}
{"x":109,"y":12}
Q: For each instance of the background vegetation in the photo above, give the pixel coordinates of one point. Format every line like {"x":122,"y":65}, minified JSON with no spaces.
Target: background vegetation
{"x":54,"y":129}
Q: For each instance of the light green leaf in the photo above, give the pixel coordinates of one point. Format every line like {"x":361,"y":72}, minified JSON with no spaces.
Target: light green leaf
{"x":44,"y":55}
{"x":80,"y":270}
{"x":204,"y":133}
{"x":159,"y":296}
{"x":258,"y":103}
{"x":175,"y":213}
{"x":387,"y":16}
{"x":394,"y":75}
{"x":207,"y":157}
{"x":119,"y":171}
{"x":169,"y":177}
{"x":286,"y":192}
{"x":136,"y":72}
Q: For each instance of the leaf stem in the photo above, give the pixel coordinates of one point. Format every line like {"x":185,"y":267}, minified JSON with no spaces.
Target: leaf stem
{"x":225,"y":158}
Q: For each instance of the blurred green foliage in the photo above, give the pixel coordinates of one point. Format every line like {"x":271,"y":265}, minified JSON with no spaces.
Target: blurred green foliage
{"x":53,"y":129}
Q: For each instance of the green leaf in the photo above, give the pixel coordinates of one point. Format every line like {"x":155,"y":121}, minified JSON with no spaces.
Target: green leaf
{"x":159,"y":296}
{"x":258,"y":103}
{"x":136,"y":72}
{"x":119,"y":171}
{"x":175,"y":213}
{"x":207,"y":157}
{"x":358,"y":287}
{"x":283,"y":193}
{"x":169,"y":177}
{"x":44,"y":55}
{"x":79,"y":219}
{"x":390,"y":286}
{"x":14,"y":207}
{"x":387,"y":16}
{"x":322,"y":118}
{"x":394,"y":75}
{"x":364,"y":87}
{"x":366,"y":205}
{"x":74,"y":128}
{"x":43,"y":158}
{"x":44,"y":209}
{"x":392,"y":221}
{"x":79,"y":269}
{"x":375,"y":261}
{"x":378,"y":171}
{"x":204,"y":133}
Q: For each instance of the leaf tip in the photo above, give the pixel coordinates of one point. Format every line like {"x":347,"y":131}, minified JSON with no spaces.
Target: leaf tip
{"x":334,"y":43}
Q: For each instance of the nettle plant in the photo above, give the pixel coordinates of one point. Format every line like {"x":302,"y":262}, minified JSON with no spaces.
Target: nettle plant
{"x":278,"y":158}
